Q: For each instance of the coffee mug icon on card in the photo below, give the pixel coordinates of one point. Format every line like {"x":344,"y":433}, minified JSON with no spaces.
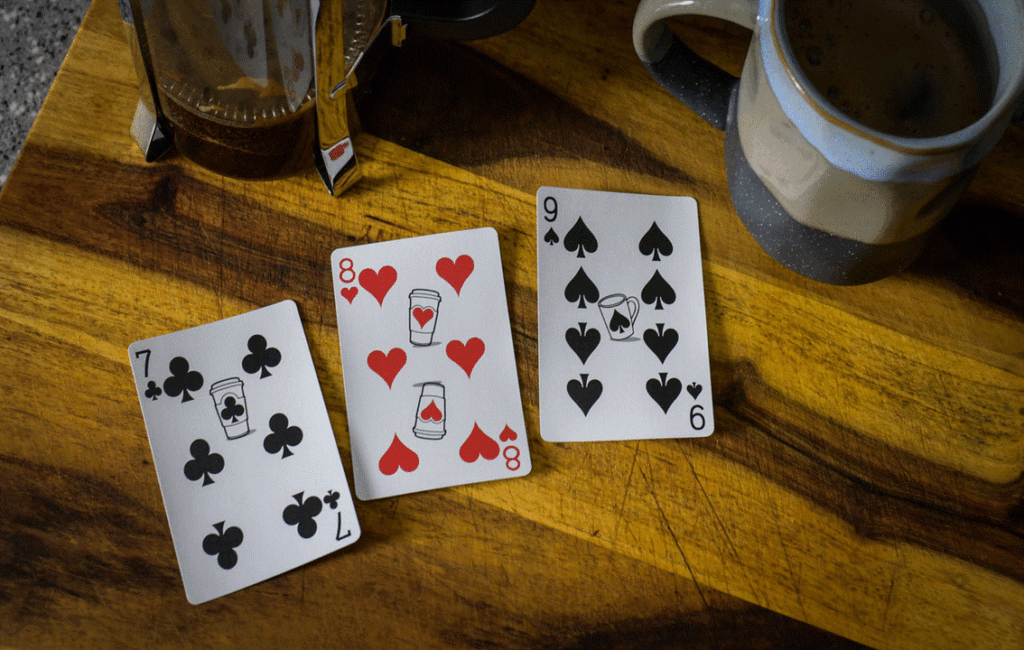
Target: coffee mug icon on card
{"x":619,"y":312}
{"x":430,"y":412}
{"x":229,"y":400}
{"x":423,"y":306}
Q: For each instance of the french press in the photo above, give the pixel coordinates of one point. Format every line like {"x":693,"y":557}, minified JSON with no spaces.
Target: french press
{"x":258,"y":88}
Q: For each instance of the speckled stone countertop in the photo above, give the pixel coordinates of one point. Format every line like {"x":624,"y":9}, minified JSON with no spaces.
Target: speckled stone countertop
{"x":34,"y":37}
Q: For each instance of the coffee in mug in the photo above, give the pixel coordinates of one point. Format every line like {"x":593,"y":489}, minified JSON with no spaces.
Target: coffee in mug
{"x":910,"y":68}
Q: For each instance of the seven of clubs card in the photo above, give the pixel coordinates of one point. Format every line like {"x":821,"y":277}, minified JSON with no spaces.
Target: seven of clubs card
{"x":431,"y":386}
{"x":622,"y":349}
{"x":251,"y":477}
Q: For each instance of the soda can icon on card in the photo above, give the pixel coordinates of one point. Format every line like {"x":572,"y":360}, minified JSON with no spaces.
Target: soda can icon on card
{"x":430,"y":412}
{"x":229,"y":400}
{"x":423,"y":305}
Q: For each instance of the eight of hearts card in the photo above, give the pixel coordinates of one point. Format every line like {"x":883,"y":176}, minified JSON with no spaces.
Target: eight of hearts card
{"x":431,"y":386}
{"x":622,"y":332}
{"x":250,"y":473}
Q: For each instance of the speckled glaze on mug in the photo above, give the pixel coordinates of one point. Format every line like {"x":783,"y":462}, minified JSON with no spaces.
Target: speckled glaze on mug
{"x":824,"y":195}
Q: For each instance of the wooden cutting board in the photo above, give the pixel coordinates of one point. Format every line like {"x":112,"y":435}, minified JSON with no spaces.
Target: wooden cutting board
{"x":864,"y":485}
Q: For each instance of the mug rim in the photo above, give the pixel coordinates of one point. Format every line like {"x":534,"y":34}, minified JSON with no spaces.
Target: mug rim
{"x":1002,"y":103}
{"x":622,"y":298}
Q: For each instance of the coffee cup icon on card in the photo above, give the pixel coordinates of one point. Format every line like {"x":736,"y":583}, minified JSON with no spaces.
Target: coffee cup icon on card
{"x":430,"y":412}
{"x":423,"y":306}
{"x":229,"y":400}
{"x":619,"y":312}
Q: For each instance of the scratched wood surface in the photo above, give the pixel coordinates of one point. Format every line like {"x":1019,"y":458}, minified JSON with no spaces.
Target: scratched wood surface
{"x":864,"y":484}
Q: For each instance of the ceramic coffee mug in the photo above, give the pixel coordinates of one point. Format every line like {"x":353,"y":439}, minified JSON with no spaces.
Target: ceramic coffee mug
{"x":840,"y":171}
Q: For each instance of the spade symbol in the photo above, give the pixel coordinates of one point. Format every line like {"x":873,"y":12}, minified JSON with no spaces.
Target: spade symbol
{"x":655,"y":242}
{"x":584,"y":393}
{"x":583,"y":341}
{"x":662,"y":341}
{"x":657,"y":291}
{"x":664,"y":392}
{"x":551,"y":237}
{"x":618,"y":323}
{"x":581,"y":288}
{"x":579,"y":239}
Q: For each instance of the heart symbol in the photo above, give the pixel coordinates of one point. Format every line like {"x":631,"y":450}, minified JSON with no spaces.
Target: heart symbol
{"x":386,"y":365}
{"x":378,"y":282}
{"x":397,"y":457}
{"x":466,"y":355}
{"x":349,"y":294}
{"x":422,"y":315}
{"x":694,"y":389}
{"x":431,"y":413}
{"x":479,"y":444}
{"x":507,"y":434}
{"x":455,"y":273}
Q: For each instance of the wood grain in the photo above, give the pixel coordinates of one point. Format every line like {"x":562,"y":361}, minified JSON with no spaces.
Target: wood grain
{"x":865,"y":484}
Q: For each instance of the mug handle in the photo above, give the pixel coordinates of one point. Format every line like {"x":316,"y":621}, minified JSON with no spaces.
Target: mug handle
{"x":634,"y":308}
{"x":696,"y":82}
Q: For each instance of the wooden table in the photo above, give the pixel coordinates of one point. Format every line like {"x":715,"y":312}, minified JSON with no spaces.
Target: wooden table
{"x":864,"y":484}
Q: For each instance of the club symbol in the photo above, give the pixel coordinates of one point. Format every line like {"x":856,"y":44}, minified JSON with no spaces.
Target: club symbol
{"x":203,"y":463}
{"x":153,"y":391}
{"x":223,"y":544}
{"x":182,"y":379}
{"x":331,"y":499}
{"x":232,"y":410}
{"x":261,"y":358}
{"x":283,"y":436}
{"x":301,"y":514}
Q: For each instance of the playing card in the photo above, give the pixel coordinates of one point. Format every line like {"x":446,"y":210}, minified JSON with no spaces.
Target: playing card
{"x":430,"y":375}
{"x":622,"y":334}
{"x":251,"y":477}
